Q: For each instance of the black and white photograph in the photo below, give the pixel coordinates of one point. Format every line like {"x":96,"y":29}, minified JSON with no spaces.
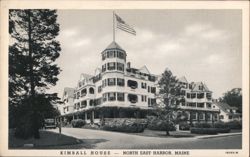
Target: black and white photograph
{"x":126,"y":82}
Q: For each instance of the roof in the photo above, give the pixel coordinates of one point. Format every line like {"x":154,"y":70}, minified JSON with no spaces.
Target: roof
{"x":183,"y":79}
{"x":224,"y":106}
{"x":196,"y":85}
{"x":69,"y":91}
{"x":114,"y":45}
{"x":144,"y":70}
{"x":86,"y":76}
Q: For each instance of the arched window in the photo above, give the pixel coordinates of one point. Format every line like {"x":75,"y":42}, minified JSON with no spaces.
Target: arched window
{"x":132,"y":98}
{"x":91,"y":90}
{"x":132,"y":84}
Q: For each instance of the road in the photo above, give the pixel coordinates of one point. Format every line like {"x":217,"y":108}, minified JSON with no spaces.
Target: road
{"x":114,"y":140}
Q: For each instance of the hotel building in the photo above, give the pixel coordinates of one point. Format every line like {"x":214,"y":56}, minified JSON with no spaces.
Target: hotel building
{"x":117,"y":84}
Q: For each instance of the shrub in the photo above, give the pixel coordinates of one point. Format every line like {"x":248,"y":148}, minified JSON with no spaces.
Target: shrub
{"x":184,"y":126}
{"x":124,"y":125}
{"x":155,"y":123}
{"x":223,"y":130}
{"x":211,"y":131}
{"x":78,"y":123}
{"x":220,"y":125}
{"x":202,"y":125}
{"x":234,"y":124}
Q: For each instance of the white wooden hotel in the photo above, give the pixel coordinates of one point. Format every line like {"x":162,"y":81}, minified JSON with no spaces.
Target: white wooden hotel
{"x":117,"y":84}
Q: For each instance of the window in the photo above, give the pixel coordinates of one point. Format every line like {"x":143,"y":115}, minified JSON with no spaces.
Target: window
{"x":111,"y":96}
{"x":191,"y":104}
{"x":208,"y":116}
{"x":120,"y":66}
{"x":221,"y":117}
{"x":153,"y":89}
{"x":201,"y":116}
{"x":78,"y":95}
{"x":188,"y":95}
{"x":209,"y":105}
{"x":99,"y":89}
{"x":209,"y":96}
{"x":98,"y":101}
{"x":105,"y":95}
{"x":132,"y":84}
{"x":83,"y":92}
{"x":144,"y":85}
{"x":144,"y":98}
{"x":201,"y":105}
{"x":200,"y":87}
{"x":103,"y":56}
{"x":120,"y":55}
{"x":183,"y":92}
{"x":111,"y":81}
{"x":91,"y":90}
{"x":104,"y":68}
{"x":111,"y":66}
{"x":151,"y":78}
{"x":193,"y":95}
{"x":104,"y":83}
{"x":193,"y":116}
{"x":132,"y":98}
{"x":83,"y":104}
{"x":120,"y":96}
{"x":190,"y":86}
{"x":200,"y":95}
{"x":91,"y":102}
{"x":148,"y":89}
{"x":230,"y":117}
{"x":120,"y":82}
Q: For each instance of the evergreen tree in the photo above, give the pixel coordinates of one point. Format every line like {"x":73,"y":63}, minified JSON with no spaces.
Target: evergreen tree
{"x":170,"y":96}
{"x":32,"y":52}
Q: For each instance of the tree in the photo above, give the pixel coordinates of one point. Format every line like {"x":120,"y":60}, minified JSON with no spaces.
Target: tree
{"x":32,"y":52}
{"x":170,"y":95}
{"x":233,"y":98}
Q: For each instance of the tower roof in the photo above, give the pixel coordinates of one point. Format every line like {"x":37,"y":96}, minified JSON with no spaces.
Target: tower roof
{"x":114,"y":45}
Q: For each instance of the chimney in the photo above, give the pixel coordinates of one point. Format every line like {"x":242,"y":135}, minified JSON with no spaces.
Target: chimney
{"x":128,"y":65}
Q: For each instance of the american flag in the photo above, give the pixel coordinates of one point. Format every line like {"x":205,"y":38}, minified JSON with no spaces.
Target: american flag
{"x":123,"y":26}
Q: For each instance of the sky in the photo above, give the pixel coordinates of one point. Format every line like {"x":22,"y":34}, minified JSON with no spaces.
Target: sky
{"x":202,"y":45}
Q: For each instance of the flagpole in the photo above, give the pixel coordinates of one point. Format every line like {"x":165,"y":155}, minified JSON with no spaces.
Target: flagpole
{"x":113,"y":25}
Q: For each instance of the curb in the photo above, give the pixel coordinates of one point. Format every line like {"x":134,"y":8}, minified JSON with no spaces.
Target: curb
{"x":219,"y":135}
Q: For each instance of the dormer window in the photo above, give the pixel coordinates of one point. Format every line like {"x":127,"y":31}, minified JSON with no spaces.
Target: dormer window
{"x":200,"y":87}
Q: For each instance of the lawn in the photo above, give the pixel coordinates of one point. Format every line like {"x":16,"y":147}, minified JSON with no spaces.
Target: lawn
{"x":48,"y":140}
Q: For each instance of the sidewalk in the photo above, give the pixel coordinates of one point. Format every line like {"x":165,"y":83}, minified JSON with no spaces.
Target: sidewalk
{"x":218,"y":135}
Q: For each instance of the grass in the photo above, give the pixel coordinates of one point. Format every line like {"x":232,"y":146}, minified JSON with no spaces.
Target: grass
{"x":47,"y":140}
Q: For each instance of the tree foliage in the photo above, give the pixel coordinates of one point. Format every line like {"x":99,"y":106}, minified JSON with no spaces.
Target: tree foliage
{"x":170,"y":97}
{"x":32,"y":52}
{"x":233,"y":98}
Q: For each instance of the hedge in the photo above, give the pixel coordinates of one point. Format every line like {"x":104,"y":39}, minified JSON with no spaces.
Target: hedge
{"x":211,"y":131}
{"x":124,"y":125}
{"x":234,"y":124}
{"x":78,"y":123}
